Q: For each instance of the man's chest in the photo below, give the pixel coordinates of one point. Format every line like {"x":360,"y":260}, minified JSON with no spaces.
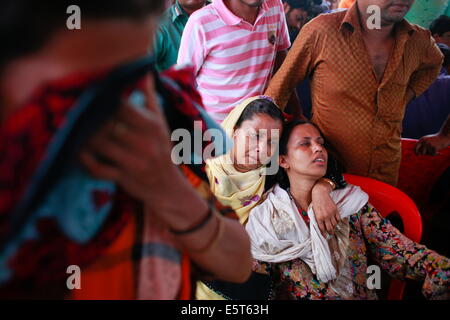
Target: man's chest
{"x":244,"y":38}
{"x":378,"y":56}
{"x":349,"y":69}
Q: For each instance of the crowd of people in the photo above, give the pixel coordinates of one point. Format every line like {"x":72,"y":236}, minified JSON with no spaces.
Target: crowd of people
{"x":87,"y":172}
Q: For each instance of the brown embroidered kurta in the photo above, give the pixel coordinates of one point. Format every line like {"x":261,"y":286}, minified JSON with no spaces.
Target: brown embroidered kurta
{"x":359,"y":116}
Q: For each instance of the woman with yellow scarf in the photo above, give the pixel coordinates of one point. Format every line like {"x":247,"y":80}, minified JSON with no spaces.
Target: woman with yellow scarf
{"x":239,"y":178}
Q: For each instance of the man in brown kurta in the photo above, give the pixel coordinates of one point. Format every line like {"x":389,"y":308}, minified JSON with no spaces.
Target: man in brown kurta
{"x":358,"y":98}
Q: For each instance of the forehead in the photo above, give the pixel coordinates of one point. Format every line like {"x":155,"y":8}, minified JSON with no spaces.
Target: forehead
{"x":303,"y":131}
{"x":262,"y":121}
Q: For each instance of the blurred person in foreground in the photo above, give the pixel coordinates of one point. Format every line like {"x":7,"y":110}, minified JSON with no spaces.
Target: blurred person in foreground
{"x":135,"y":224}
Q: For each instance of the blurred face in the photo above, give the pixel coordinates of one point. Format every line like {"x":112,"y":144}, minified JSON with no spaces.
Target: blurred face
{"x":252,"y":3}
{"x":296,"y":18}
{"x":392,"y":11}
{"x":255,"y":142}
{"x":100,"y":44}
{"x":443,"y":38}
{"x":192,"y":5}
{"x":306,"y":154}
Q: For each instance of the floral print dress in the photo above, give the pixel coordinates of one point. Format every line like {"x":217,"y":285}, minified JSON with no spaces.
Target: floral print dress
{"x":373,"y":239}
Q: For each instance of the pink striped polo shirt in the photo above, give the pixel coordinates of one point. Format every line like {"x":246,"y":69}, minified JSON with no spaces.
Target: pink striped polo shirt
{"x":233,"y":59}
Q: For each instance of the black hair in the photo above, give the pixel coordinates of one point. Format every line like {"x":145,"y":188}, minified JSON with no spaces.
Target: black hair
{"x":298,"y":4}
{"x":440,"y":25}
{"x":260,"y":106}
{"x":282,"y":177}
{"x":26,"y":25}
{"x":446,"y":52}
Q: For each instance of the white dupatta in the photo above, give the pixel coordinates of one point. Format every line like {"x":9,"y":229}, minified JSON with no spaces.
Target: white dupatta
{"x":278,"y":233}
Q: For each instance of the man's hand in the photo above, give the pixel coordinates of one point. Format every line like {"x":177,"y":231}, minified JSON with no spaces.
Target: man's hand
{"x":432,"y":144}
{"x":325,"y":210}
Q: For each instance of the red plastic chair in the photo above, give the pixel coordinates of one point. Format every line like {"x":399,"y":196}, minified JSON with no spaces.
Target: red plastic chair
{"x":388,"y":199}
{"x":418,"y":174}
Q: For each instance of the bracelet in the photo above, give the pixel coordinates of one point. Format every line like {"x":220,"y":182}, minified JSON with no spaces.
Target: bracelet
{"x":198,"y":226}
{"x":216,"y":236}
{"x":331,"y":183}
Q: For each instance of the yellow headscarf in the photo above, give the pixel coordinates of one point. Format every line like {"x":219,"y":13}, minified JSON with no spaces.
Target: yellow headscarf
{"x":240,"y":191}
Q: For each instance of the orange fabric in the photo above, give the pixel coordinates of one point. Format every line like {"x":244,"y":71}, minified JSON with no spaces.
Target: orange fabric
{"x":359,"y":116}
{"x":346,"y":3}
{"x":112,"y":276}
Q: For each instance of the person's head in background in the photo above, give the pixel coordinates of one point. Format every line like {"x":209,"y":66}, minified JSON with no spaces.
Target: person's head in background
{"x":37,"y":46}
{"x":254,"y":142}
{"x":296,"y":13}
{"x":334,"y":4}
{"x":440,"y":30}
{"x":190,"y":6}
{"x":446,"y":52}
{"x":392,"y":11}
{"x":318,"y":7}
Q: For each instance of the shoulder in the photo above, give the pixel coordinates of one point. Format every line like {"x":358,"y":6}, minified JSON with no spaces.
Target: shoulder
{"x":275,"y":5}
{"x":324,"y":24}
{"x":420,"y":35}
{"x":327,"y":21}
{"x":421,"y":42}
{"x":203,"y":15}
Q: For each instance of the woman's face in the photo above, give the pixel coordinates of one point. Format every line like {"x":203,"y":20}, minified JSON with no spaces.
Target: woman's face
{"x":306,"y":154}
{"x":255,"y":141}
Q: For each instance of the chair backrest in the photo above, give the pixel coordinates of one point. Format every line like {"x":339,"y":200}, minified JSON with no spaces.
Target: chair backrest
{"x":387,"y":199}
{"x":418,"y":174}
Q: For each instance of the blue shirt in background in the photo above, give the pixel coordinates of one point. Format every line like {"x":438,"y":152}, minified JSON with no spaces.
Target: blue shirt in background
{"x":426,"y":114}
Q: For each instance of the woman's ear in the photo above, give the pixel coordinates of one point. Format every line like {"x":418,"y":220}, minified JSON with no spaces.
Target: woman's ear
{"x":283,"y":162}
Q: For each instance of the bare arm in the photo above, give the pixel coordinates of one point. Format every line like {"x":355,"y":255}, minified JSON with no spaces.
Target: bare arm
{"x":432,"y":144}
{"x":226,"y":245}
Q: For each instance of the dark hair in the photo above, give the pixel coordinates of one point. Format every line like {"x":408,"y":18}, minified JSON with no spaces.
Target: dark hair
{"x":446,"y":52}
{"x":26,"y":25}
{"x":298,"y":4}
{"x":282,"y":177}
{"x":440,"y":25}
{"x":260,"y":106}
